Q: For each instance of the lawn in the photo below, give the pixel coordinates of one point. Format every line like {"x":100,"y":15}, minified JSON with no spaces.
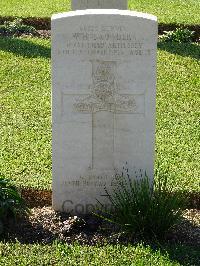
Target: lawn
{"x":168,"y":11}
{"x":25,"y":117}
{"x":61,"y":254}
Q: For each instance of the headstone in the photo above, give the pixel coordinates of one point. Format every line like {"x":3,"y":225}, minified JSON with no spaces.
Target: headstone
{"x":99,"y":4}
{"x":103,"y":102}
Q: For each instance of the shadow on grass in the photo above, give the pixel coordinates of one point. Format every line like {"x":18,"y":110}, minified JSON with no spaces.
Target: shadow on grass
{"x":24,"y":47}
{"x":182,"y":244}
{"x":183,"y":49}
{"x":184,"y":254}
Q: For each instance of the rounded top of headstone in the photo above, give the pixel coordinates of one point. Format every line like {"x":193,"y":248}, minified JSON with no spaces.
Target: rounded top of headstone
{"x":104,"y":12}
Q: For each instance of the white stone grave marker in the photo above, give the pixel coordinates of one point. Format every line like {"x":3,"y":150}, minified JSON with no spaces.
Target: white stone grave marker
{"x":99,"y":4}
{"x":103,"y":102}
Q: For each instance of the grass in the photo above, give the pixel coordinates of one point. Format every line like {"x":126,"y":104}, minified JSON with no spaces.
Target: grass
{"x":168,"y":11}
{"x":37,"y":8}
{"x":61,"y":254}
{"x":25,"y":118}
{"x":25,"y":113}
{"x":178,"y":103}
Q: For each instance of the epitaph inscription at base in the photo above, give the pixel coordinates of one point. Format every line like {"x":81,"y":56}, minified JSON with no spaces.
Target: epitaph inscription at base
{"x":103,"y":102}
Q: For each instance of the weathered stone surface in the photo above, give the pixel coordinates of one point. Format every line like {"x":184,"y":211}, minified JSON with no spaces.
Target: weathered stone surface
{"x":99,"y":4}
{"x":104,"y":90}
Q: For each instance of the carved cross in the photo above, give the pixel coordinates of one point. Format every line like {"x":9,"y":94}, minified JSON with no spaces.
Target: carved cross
{"x":104,"y":103}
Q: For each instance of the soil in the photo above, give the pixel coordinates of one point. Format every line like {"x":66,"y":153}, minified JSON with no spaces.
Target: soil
{"x":44,"y":34}
{"x":35,"y":197}
{"x":44,"y":225}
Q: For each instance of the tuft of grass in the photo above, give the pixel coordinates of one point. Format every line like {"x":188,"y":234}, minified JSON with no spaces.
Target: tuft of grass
{"x":142,"y":208}
{"x":178,"y":12}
